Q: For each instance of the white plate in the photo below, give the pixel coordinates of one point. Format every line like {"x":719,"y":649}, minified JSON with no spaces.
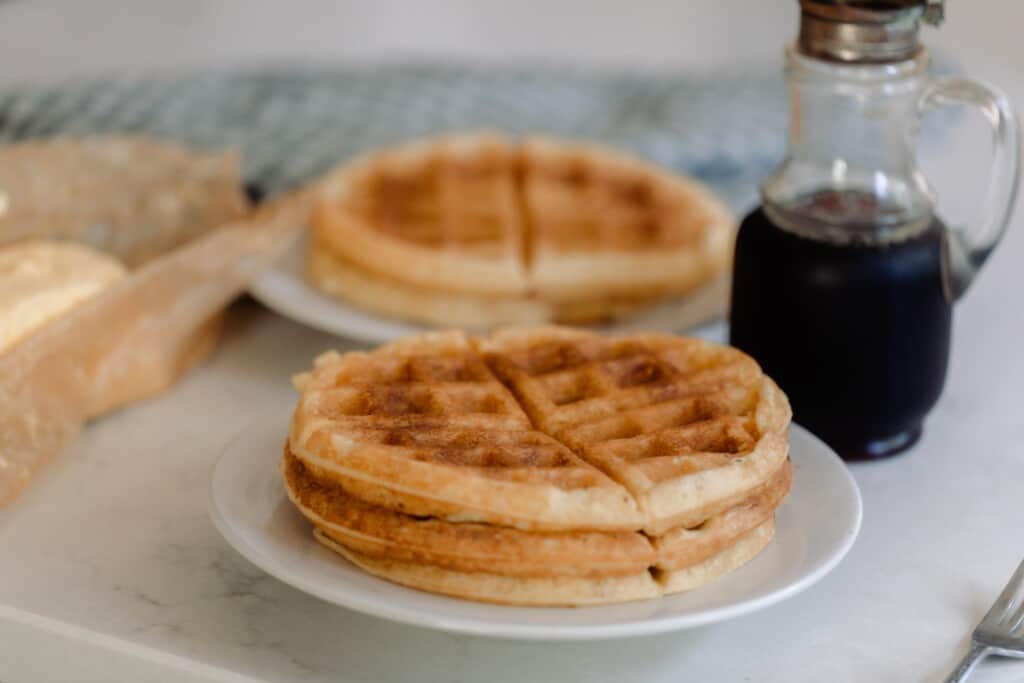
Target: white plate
{"x":248,"y":506}
{"x":283,"y":289}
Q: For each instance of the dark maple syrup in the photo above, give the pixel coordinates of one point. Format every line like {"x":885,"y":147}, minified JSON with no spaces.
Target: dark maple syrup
{"x":856,"y":333}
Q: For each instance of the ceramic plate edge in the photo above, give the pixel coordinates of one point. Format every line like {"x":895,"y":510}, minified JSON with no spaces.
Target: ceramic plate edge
{"x":533,"y":632}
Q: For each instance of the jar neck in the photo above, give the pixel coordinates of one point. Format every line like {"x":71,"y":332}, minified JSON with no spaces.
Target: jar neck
{"x":851,"y":170}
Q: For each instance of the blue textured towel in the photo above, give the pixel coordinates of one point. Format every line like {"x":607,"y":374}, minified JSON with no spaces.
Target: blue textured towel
{"x":294,"y":123}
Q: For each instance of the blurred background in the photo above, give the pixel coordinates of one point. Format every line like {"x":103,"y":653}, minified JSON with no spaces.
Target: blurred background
{"x":52,"y":40}
{"x":718,"y":109}
{"x":55,"y":40}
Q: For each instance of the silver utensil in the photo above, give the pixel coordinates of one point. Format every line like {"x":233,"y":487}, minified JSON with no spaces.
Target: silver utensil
{"x":1001,"y":632}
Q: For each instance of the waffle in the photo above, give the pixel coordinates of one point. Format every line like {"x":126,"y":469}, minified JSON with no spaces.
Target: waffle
{"x":540,"y":466}
{"x":477,"y":230}
{"x":604,"y":224}
{"x":501,"y":589}
{"x":343,"y":279}
{"x":509,"y":566}
{"x":424,"y":427}
{"x":690,"y":428}
{"x":383,"y":533}
{"x":441,"y":214}
{"x":731,"y":558}
{"x":683,"y":547}
{"x":466,"y":546}
{"x":553,"y":591}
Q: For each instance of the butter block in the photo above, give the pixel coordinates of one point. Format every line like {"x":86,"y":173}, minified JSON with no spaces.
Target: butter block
{"x":41,"y":280}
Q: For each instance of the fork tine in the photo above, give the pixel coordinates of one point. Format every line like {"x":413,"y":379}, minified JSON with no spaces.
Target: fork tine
{"x":1017,"y":621}
{"x":1011,"y":595}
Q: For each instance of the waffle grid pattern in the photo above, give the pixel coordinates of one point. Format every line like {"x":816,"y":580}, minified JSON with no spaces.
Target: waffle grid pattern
{"x":435,"y":196}
{"x":622,"y":402}
{"x":447,"y":409}
{"x":639,"y":410}
{"x":577,"y":197}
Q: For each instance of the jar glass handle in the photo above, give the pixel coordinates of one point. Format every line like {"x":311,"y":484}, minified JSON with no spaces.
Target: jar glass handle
{"x":967,"y":248}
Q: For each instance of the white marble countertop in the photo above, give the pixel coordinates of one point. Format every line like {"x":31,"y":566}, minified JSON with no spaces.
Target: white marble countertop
{"x":110,"y":569}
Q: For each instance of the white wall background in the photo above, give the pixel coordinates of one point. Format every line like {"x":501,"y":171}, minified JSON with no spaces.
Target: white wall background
{"x":52,"y":40}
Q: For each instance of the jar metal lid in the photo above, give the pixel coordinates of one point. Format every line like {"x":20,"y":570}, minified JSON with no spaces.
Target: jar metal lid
{"x":865,"y":31}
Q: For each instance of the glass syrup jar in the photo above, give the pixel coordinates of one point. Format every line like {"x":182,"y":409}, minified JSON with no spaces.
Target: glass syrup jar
{"x":844,"y":279}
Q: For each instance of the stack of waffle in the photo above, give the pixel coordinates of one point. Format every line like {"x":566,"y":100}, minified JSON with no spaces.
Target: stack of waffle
{"x":478,"y":231}
{"x":541,"y":466}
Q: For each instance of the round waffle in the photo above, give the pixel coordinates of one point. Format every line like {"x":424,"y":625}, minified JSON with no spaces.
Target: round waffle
{"x":541,"y":466}
{"x":477,"y":229}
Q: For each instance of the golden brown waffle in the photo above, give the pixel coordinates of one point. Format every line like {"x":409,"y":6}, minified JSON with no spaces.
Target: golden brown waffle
{"x":602,"y":224}
{"x":503,"y":565}
{"x":501,"y":589}
{"x":441,"y":214}
{"x":544,"y":230}
{"x":551,"y":591}
{"x":689,"y":427}
{"x":473,"y":547}
{"x":422,"y":425}
{"x":466,"y":546}
{"x":684,"y":547}
{"x":521,"y":467}
{"x":729,"y":559}
{"x":378,"y":293}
